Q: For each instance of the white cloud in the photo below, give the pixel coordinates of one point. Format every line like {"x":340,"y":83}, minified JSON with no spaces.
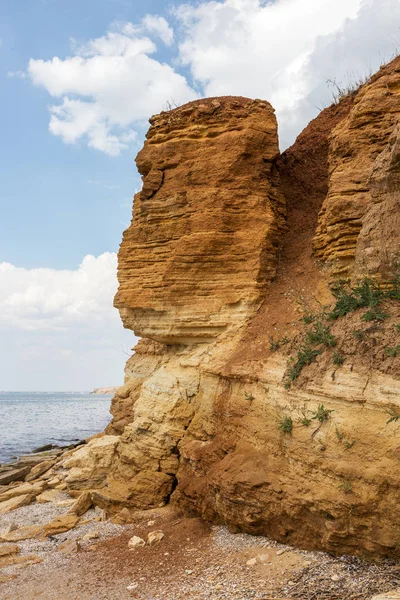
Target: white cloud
{"x":16,"y":74}
{"x":258,"y":49}
{"x":159,"y":26}
{"x":59,"y":300}
{"x":59,"y":330}
{"x":110,"y":86}
{"x":285,"y":51}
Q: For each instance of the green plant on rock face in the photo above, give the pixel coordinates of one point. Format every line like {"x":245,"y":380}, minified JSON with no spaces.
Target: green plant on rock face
{"x":286,"y":425}
{"x":375,"y":315}
{"x":308,"y":318}
{"x":394,"y":416}
{"x":394,"y":290}
{"x":322,"y":414}
{"x":320,"y":334}
{"x":398,"y":327}
{"x":304,"y":419}
{"x":341,"y":437}
{"x":339,"y":434}
{"x":365,"y":294}
{"x":346,"y":486}
{"x":338,"y":359}
{"x":305,"y":356}
{"x":347,"y":444}
{"x":393,"y":351}
{"x":274,"y":345}
{"x":249,"y":397}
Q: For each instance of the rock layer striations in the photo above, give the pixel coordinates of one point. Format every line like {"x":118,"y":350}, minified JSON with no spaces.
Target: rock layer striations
{"x":216,"y":272}
{"x":203,"y":241}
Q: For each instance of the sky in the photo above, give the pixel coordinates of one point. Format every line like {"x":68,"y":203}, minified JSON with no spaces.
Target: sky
{"x":78,"y":82}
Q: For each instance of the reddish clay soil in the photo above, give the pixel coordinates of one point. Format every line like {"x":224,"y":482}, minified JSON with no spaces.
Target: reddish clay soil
{"x":196,"y":562}
{"x":303,"y":170}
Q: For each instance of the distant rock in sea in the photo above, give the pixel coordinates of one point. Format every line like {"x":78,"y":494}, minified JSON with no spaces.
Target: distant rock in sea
{"x":105,"y":390}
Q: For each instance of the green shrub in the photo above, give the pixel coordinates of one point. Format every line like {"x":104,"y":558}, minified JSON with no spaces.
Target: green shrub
{"x":338,"y":359}
{"x":286,"y":425}
{"x":321,"y":334}
{"x":305,"y":356}
{"x":394,"y":416}
{"x":322,"y":414}
{"x":375,"y":315}
{"x":393,"y":351}
{"x":274,"y":345}
{"x":365,"y":294}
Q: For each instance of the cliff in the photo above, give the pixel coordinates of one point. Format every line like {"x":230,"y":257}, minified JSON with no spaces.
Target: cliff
{"x":260,"y":396}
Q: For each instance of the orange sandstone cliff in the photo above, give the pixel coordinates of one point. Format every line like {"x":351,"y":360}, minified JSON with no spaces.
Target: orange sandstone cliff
{"x":230,"y":245}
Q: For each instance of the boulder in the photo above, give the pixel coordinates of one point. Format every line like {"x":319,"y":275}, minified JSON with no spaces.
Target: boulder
{"x":39,"y":470}
{"x":82,"y":504}
{"x":22,"y":489}
{"x":14,"y":475}
{"x":136,"y":542}
{"x":17,"y":502}
{"x":155,"y":537}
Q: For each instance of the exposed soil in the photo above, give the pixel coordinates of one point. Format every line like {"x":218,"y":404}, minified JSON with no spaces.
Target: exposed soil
{"x":194,"y":561}
{"x":304,"y":173}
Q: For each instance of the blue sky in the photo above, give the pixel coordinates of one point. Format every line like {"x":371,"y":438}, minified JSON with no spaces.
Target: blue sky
{"x":53,"y":214}
{"x":78,"y":82}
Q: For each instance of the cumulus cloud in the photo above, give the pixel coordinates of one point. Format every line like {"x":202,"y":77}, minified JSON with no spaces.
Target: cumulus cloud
{"x":286,"y":50}
{"x":110,"y":85}
{"x":59,"y":300}
{"x":59,"y":330}
{"x":159,"y":26}
{"x":280,"y":50}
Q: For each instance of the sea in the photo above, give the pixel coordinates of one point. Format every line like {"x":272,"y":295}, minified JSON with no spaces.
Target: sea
{"x":32,"y":419}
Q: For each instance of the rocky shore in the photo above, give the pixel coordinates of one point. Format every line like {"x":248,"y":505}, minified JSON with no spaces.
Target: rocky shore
{"x":57,"y":543}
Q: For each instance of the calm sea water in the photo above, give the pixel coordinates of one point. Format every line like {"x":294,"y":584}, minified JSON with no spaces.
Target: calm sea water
{"x":29,"y":420}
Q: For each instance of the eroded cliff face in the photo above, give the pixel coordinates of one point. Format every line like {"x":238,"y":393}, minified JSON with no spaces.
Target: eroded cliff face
{"x":212,"y":278}
{"x":207,"y":223}
{"x":356,"y":143}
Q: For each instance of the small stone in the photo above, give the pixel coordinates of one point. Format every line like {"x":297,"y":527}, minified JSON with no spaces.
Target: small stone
{"x":282,"y":551}
{"x":151,"y":523}
{"x":155,"y":537}
{"x":251,"y":562}
{"x":92,"y":535}
{"x":6,"y":578}
{"x":69,"y":547}
{"x":21,"y":561}
{"x":132,"y":586}
{"x":48,"y":496}
{"x":61,"y":486}
{"x":188,"y":571}
{"x":10,"y":527}
{"x":136,"y":542}
{"x":335,"y":578}
{"x":9,"y":549}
